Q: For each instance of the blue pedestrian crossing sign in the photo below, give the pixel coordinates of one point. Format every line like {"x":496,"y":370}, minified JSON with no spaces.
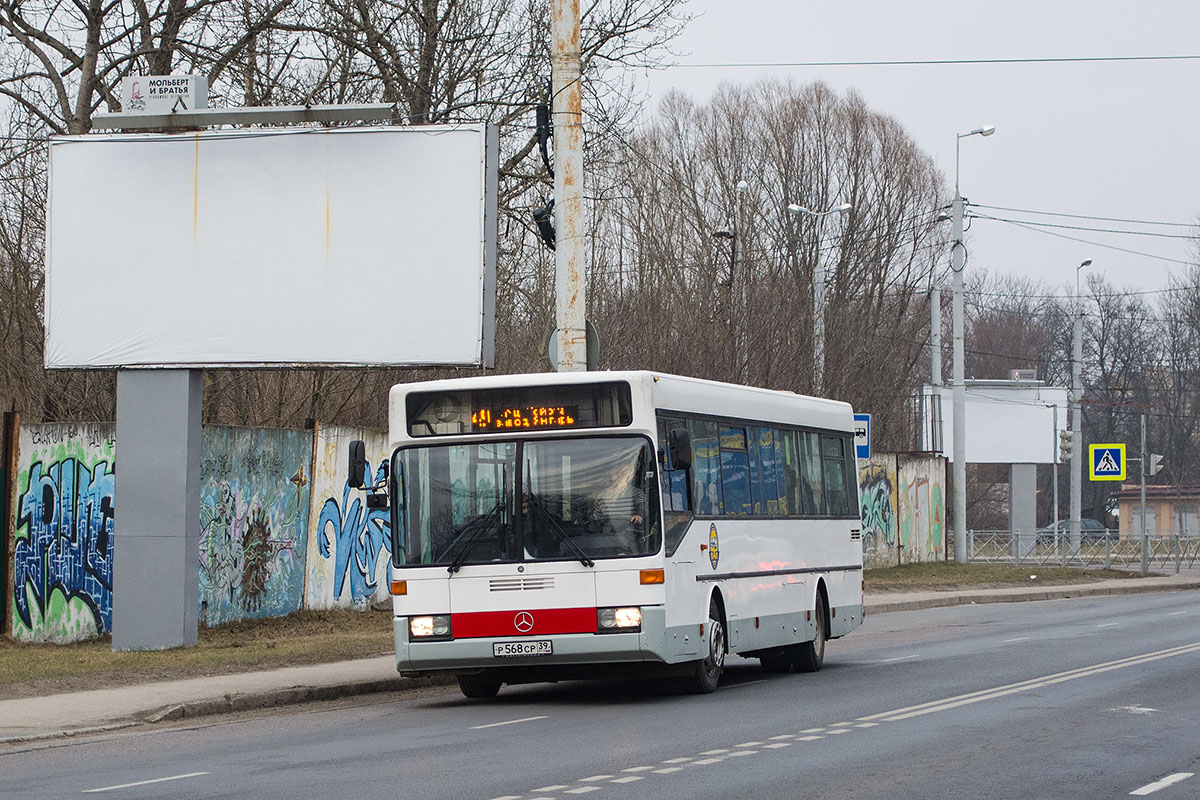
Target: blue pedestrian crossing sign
{"x":1107,"y":462}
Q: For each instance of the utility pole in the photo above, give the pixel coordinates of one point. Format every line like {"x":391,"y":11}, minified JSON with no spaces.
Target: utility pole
{"x":958,"y":262}
{"x":1145,"y":532}
{"x":935,"y":370}
{"x":567,"y":107}
{"x":1077,"y":414}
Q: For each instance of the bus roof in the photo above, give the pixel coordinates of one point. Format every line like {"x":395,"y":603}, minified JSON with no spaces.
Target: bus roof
{"x":659,"y":390}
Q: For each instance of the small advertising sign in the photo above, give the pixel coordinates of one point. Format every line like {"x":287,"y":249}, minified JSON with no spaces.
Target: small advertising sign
{"x":163,"y":94}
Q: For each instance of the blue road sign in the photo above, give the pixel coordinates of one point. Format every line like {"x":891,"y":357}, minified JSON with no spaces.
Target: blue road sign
{"x":1107,"y":462}
{"x":862,"y":435}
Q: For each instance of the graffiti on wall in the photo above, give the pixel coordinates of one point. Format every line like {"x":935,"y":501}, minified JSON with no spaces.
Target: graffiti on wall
{"x":878,"y":498}
{"x":63,"y":554}
{"x":903,"y":508}
{"x":350,"y":548}
{"x":254,"y":504}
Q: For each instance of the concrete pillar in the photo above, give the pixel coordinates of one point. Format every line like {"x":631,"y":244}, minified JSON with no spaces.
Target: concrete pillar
{"x":156,"y":543}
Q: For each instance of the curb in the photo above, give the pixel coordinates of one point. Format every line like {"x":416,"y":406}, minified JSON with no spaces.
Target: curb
{"x":1060,"y":593}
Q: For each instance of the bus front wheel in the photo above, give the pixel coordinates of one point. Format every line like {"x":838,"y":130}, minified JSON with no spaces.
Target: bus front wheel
{"x":809,"y":656}
{"x":477,"y":688}
{"x":706,"y":673}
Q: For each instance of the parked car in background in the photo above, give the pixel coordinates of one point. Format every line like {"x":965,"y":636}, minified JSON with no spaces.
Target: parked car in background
{"x":1090,"y":532}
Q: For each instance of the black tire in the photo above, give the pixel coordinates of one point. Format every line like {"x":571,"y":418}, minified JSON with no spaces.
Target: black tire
{"x":809,"y":656}
{"x":478,"y":688}
{"x":706,"y":673}
{"x":776,"y":662}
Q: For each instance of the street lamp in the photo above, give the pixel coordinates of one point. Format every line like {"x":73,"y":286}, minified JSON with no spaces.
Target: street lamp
{"x":958,"y":262}
{"x":1077,"y":414}
{"x":818,"y":291}
{"x":732,"y":235}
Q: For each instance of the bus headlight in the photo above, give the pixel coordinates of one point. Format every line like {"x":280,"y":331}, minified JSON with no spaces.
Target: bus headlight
{"x":432,"y":627}
{"x":619,"y":620}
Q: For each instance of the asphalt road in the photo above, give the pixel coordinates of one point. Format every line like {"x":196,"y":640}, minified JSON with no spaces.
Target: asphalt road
{"x":1090,"y":698}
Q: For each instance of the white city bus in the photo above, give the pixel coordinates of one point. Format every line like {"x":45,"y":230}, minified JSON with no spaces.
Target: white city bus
{"x":591,"y":524}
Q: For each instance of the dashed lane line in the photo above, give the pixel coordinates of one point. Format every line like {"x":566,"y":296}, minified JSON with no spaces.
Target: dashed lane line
{"x":507,"y":722}
{"x":143,"y":783}
{"x":1162,"y":783}
{"x":717,"y":755}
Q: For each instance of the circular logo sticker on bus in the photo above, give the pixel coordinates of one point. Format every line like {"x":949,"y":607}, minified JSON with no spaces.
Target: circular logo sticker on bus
{"x":714,"y":546}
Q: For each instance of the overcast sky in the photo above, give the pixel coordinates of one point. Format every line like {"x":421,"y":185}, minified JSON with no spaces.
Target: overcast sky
{"x":1102,"y":139}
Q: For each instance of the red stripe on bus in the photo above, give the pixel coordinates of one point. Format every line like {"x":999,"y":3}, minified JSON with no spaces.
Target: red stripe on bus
{"x":534,"y":622}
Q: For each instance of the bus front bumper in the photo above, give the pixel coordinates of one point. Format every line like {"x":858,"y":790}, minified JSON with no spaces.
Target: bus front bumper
{"x":576,"y":649}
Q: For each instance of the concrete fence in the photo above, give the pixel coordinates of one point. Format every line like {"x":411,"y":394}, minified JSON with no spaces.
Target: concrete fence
{"x":280,"y":528}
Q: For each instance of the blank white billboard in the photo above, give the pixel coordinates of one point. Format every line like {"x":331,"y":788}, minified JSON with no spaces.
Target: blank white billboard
{"x":1008,"y":422}
{"x":342,"y":246}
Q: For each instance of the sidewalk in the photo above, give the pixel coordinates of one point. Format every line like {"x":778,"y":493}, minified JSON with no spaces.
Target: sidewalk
{"x":45,"y":718}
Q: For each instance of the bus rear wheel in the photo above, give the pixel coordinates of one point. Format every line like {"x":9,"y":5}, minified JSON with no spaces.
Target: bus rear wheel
{"x":706,"y":673}
{"x":478,"y":688}
{"x":809,"y":656}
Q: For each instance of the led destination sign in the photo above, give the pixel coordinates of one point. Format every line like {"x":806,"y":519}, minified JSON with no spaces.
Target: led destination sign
{"x":519,"y":408}
{"x":531,"y":418}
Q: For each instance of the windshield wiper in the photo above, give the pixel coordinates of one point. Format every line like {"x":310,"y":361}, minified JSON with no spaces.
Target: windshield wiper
{"x":563,"y":536}
{"x":473,"y":531}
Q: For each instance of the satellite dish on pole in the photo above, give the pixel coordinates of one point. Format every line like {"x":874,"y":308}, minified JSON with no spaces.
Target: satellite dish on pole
{"x":593,"y":347}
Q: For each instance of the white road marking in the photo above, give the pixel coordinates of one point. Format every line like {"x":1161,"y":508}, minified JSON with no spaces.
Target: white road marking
{"x":508,"y":797}
{"x":843,"y":724}
{"x":583,"y":790}
{"x":554,"y":788}
{"x":813,"y":730}
{"x":777,"y":745}
{"x":839,"y":730}
{"x":637,"y":769}
{"x":708,"y":761}
{"x":1018,"y":639}
{"x":866,"y":724}
{"x":677,"y":760}
{"x":809,"y":738}
{"x":1035,"y":683}
{"x":716,"y":752}
{"x":1134,"y":709}
{"x":784,"y":736}
{"x":667,"y":770}
{"x":1108,"y":625}
{"x":597,"y":778}
{"x":143,"y":783}
{"x":897,"y":658}
{"x":1170,"y":780}
{"x":1176,"y":613}
{"x":629,"y":779}
{"x":509,"y":722}
{"x":744,"y":745}
{"x":740,"y":685}
{"x":737,"y":753}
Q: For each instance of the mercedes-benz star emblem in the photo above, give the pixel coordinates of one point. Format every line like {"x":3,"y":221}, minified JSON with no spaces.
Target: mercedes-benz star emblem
{"x":523,"y":622}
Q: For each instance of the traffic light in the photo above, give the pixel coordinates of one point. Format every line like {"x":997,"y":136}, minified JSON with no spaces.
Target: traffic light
{"x":1065,"y":439}
{"x":1154,"y":464}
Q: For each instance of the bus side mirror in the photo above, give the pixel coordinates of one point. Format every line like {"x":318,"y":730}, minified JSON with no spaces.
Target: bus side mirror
{"x":358,"y":464}
{"x":680,"y":442}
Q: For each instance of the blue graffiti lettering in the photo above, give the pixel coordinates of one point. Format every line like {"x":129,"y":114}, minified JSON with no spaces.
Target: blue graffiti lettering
{"x":360,"y":536}
{"x":65,"y":539}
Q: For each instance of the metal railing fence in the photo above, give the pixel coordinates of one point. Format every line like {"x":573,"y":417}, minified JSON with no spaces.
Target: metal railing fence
{"x":1171,"y":553}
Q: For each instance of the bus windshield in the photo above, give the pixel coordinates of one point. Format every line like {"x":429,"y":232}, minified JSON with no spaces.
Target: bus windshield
{"x":526,"y":500}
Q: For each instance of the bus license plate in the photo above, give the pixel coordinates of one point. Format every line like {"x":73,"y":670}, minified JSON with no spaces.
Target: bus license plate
{"x":507,"y":649}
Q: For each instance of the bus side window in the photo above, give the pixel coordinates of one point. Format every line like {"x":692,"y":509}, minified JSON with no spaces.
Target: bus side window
{"x":674,"y":480}
{"x":706,"y":467}
{"x":789,"y":474}
{"x":812,"y":498}
{"x":768,"y":498}
{"x":833,"y":451}
{"x":735,"y":472}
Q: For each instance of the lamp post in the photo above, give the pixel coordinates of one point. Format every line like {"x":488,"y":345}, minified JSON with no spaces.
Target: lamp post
{"x":958,"y":262}
{"x":818,"y":292}
{"x":1077,"y":414}
{"x":732,"y":235}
